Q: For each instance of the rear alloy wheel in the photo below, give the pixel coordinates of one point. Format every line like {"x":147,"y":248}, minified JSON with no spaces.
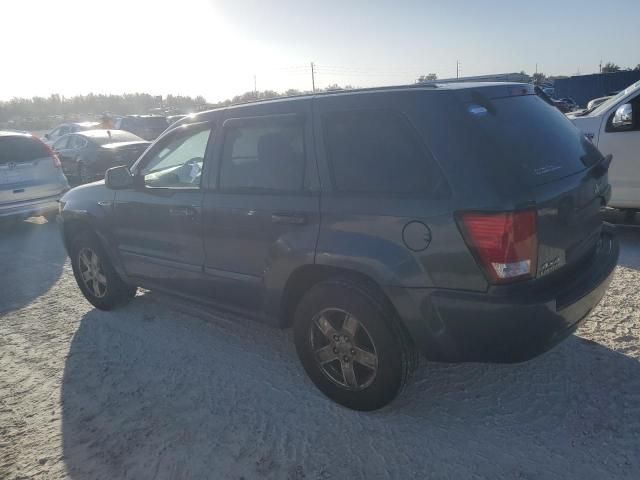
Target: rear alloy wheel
{"x":345,"y":354}
{"x":99,"y":282}
{"x":352,"y":345}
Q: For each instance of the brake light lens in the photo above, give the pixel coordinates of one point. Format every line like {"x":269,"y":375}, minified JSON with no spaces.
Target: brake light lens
{"x":53,"y":155}
{"x":504,"y":243}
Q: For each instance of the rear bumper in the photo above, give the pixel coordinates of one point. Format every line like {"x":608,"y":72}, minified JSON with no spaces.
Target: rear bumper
{"x":506,"y":326}
{"x":31,"y":208}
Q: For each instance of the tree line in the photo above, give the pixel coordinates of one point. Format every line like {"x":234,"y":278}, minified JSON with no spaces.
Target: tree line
{"x":44,"y":112}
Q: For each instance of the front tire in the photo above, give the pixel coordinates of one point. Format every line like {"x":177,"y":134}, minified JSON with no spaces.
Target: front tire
{"x":99,"y":282}
{"x":352,"y":345}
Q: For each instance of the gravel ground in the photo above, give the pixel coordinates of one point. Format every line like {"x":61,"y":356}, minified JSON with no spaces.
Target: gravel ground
{"x":163,"y":389}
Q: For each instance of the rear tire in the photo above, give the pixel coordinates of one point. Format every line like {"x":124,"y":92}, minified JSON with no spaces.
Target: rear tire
{"x":99,"y":282}
{"x":364,"y":370}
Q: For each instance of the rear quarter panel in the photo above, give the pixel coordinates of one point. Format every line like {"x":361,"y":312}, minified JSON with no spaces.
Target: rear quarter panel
{"x":365,"y":232}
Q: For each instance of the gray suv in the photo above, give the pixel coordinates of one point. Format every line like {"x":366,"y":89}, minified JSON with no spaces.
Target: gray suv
{"x":460,"y":221}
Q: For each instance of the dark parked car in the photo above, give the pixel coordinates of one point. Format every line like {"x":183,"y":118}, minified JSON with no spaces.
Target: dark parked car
{"x":458,"y":220}
{"x":86,"y":156}
{"x":31,"y":180}
{"x":148,"y":127}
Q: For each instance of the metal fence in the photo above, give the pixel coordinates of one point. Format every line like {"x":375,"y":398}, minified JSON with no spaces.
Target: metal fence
{"x":583,"y":88}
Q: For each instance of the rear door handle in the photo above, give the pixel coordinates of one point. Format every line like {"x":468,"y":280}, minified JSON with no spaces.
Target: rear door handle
{"x":290,"y":218}
{"x":182,"y":212}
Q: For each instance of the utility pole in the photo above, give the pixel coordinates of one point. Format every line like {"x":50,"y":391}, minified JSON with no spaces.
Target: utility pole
{"x":457,"y":69}
{"x":255,"y":88}
{"x":600,"y":65}
{"x":313,"y":78}
{"x":536,"y":69}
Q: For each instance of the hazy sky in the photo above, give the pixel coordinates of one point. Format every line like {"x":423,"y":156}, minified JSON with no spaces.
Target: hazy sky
{"x":214,"y":47}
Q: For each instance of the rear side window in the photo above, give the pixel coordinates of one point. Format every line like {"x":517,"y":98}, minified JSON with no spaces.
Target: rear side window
{"x":20,"y":150}
{"x":264,"y":155}
{"x":378,"y":152}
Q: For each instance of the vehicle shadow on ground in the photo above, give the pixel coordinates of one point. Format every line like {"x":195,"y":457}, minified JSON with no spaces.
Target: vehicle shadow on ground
{"x":152,"y":392}
{"x":32,"y":258}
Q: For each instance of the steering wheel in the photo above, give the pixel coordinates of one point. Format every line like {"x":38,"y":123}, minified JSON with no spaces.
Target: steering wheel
{"x":193,"y":169}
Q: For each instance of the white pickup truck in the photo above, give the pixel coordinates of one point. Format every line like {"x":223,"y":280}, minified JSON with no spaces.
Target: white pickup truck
{"x":614,"y":127}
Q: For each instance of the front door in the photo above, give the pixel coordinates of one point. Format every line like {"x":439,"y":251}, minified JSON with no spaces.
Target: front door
{"x":158,"y":224}
{"x":262,"y":216}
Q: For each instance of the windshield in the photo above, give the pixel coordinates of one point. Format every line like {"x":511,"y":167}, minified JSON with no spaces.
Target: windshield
{"x":613,"y":100}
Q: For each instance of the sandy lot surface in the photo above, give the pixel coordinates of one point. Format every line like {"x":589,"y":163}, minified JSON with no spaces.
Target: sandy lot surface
{"x":161,"y":389}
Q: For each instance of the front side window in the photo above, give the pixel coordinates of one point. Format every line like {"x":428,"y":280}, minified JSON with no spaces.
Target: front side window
{"x":179,"y":162}
{"x":61,"y":143}
{"x":77,"y":142}
{"x":265,"y":155}
{"x":377,"y":152}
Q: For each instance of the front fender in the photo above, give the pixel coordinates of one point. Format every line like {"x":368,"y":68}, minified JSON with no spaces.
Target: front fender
{"x":90,"y":207}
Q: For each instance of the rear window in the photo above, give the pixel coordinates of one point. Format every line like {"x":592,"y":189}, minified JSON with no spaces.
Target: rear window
{"x":378,"y":152}
{"x":21,"y":149}
{"x":534,"y":136}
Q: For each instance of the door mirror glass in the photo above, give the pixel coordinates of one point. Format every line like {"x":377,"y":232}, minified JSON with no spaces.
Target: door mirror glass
{"x":118,"y":178}
{"x":623,"y":118}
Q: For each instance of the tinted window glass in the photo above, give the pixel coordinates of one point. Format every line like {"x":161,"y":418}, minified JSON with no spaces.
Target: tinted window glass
{"x":378,"y":152}
{"x":77,"y":141}
{"x":535,"y":138}
{"x":61,"y":143}
{"x":179,"y":161}
{"x":19,"y":150}
{"x":269,"y":155}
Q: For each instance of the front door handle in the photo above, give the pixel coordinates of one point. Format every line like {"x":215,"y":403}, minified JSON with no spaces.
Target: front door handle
{"x":291,"y":218}
{"x":182,"y":212}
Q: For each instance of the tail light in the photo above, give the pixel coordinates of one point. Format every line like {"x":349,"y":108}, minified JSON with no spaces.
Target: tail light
{"x":53,"y":155}
{"x":504,"y":243}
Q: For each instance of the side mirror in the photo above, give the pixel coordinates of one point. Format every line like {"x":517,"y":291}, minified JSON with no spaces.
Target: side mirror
{"x":46,"y":135}
{"x":118,"y":178}
{"x":623,"y":118}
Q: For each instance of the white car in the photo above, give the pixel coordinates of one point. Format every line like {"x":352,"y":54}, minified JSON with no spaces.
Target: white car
{"x":614,"y":127}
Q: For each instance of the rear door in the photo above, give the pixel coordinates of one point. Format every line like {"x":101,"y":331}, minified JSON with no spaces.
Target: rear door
{"x":158,"y":224}
{"x":27,"y":170}
{"x":62,"y":147}
{"x":261,"y":216}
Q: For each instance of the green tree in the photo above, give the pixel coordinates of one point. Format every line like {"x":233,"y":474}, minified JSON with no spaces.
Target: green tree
{"x":610,"y":67}
{"x":539,"y":78}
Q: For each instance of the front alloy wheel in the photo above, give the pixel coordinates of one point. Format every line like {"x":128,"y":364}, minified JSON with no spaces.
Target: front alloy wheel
{"x":92,"y":272}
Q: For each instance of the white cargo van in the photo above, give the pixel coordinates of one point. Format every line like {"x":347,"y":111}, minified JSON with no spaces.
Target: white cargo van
{"x":614,"y":127}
